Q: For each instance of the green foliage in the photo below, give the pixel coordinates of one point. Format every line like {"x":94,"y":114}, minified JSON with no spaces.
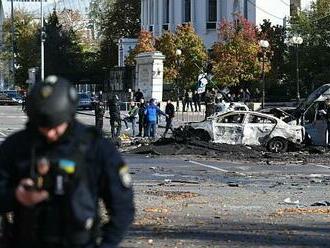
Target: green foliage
{"x":276,"y":36}
{"x":63,"y":53}
{"x":235,"y":56}
{"x":26,"y":46}
{"x":193,"y":56}
{"x":314,"y":54}
{"x":116,"y":19}
{"x":182,"y":69}
{"x":167,"y":44}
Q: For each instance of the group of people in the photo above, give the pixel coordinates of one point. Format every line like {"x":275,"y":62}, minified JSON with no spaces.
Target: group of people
{"x":146,"y":114}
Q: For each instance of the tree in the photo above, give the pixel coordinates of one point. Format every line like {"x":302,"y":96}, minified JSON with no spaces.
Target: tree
{"x":26,"y":46}
{"x":167,"y":44}
{"x":145,"y":44}
{"x":194,"y":54}
{"x":314,"y":54}
{"x":235,"y":55}
{"x":63,"y":53}
{"x":119,"y":18}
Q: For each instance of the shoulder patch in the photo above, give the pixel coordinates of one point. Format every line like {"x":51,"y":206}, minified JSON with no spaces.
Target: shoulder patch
{"x":125,"y":177}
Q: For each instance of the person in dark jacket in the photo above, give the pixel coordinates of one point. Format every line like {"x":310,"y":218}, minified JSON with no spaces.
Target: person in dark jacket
{"x":138,"y":95}
{"x":152,"y":111}
{"x":142,"y":122}
{"x":99,"y":114}
{"x":170,"y":112}
{"x":53,"y":173}
{"x":197,"y":101}
{"x":115,"y":119}
{"x":131,"y":117}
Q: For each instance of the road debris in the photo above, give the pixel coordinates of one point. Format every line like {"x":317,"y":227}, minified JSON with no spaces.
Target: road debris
{"x":321,"y":203}
{"x":303,"y":211}
{"x":172,"y":195}
{"x":290,"y":202}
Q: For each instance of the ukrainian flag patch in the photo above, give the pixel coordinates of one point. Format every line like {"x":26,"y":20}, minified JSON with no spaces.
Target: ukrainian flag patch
{"x":68,"y":166}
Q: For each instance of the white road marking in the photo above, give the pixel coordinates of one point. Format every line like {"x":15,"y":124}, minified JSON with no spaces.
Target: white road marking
{"x":215,"y":168}
{"x":3,"y":134}
{"x":208,"y":166}
{"x":323,"y":166}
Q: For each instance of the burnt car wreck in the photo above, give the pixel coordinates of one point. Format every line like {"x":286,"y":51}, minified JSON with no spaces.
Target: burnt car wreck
{"x":245,"y":128}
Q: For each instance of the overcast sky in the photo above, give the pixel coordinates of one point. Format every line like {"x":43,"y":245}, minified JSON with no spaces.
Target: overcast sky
{"x":276,"y":10}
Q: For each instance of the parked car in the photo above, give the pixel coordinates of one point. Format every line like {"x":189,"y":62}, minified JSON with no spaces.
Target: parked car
{"x":15,"y":96}
{"x":85,"y":101}
{"x":6,"y":100}
{"x":247,"y":128}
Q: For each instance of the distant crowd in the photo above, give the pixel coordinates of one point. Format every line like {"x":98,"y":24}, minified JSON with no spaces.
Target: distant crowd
{"x":144,"y":115}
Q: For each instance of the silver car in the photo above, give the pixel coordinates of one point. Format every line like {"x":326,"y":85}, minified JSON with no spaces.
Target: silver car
{"x":249,"y":128}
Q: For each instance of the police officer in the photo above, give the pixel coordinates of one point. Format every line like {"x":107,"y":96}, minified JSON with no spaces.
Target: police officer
{"x":115,"y":119}
{"x":53,"y":173}
{"x":99,"y":114}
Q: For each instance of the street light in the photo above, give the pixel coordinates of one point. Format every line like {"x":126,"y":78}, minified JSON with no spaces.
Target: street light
{"x":178,"y":53}
{"x":264,"y":44}
{"x":296,"y":41}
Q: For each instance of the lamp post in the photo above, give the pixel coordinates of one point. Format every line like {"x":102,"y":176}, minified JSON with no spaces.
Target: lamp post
{"x":178,"y":53}
{"x":296,"y":41}
{"x":264,"y":44}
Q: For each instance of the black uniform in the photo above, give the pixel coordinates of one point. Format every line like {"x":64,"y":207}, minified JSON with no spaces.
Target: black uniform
{"x":115,"y":120}
{"x":170,"y":111}
{"x":83,"y":168}
{"x":142,"y":122}
{"x":99,"y":114}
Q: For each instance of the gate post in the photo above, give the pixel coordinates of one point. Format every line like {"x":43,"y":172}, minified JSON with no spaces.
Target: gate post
{"x":149,"y":74}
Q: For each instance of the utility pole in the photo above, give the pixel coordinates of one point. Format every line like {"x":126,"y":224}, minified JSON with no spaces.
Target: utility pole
{"x":13,"y":41}
{"x":42,"y":38}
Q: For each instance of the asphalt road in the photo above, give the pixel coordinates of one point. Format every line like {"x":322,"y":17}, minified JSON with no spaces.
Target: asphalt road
{"x":189,"y":201}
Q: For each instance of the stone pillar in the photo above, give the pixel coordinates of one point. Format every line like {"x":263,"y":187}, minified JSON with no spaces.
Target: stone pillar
{"x":149,"y":74}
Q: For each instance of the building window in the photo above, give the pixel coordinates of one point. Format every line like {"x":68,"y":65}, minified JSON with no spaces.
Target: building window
{"x":187,"y":10}
{"x":246,"y":14}
{"x":151,"y":12}
{"x":166,"y":13}
{"x":212,"y":11}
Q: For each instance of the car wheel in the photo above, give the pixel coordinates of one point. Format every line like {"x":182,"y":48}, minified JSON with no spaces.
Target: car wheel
{"x":202,"y":135}
{"x":277,"y":145}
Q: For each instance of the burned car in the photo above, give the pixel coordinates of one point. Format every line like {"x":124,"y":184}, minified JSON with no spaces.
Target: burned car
{"x":246,"y":128}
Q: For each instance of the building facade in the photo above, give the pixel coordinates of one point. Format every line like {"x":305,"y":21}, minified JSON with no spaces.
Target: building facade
{"x":158,"y":16}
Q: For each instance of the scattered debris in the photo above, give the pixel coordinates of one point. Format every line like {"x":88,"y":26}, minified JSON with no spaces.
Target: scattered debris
{"x":321,"y":203}
{"x":290,"y":202}
{"x":172,"y":195}
{"x":232,"y":184}
{"x":284,"y":211}
{"x":156,"y":210}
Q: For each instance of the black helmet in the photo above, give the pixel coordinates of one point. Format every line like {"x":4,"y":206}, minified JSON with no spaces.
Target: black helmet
{"x":51,"y":102}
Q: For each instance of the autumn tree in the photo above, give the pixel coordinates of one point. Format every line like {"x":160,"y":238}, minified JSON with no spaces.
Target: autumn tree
{"x":235,"y":55}
{"x":145,"y":44}
{"x":184,"y":69}
{"x":26,"y":46}
{"x":167,"y":44}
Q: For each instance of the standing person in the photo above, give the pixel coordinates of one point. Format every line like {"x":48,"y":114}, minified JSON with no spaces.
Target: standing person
{"x":326,"y":113}
{"x":24,"y":101}
{"x":189,"y":99}
{"x":138,"y":95}
{"x":151,"y":113}
{"x":99,"y":114}
{"x":53,"y":173}
{"x":132,"y":114}
{"x":141,"y":110}
{"x":170,"y":112}
{"x":197,"y":101}
{"x":115,"y":119}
